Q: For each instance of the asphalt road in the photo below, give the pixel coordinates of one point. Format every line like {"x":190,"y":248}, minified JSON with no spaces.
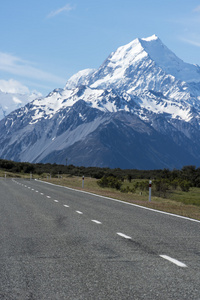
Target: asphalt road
{"x":57,"y":243}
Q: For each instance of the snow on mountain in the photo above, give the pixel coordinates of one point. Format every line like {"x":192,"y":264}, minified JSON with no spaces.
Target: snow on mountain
{"x":168,"y":61}
{"x":139,"y":109}
{"x":144,"y":54}
{"x":80,"y":78}
{"x":143,"y":72}
{"x":10,"y":101}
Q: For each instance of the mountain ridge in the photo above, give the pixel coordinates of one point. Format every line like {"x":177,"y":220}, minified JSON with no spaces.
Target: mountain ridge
{"x":128,"y":113}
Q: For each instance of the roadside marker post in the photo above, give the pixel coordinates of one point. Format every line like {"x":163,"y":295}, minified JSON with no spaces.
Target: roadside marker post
{"x":150,"y":182}
{"x":82,"y":182}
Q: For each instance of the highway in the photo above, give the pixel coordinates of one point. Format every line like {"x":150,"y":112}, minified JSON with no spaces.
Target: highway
{"x":58,"y":243}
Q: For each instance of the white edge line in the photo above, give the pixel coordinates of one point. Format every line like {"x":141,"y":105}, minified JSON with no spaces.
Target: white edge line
{"x":173,"y":260}
{"x":124,"y":235}
{"x":95,"y":221}
{"x":127,"y":203}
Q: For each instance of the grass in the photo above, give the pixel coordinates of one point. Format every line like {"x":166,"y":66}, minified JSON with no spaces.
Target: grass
{"x":182,"y":203}
{"x":191,"y":197}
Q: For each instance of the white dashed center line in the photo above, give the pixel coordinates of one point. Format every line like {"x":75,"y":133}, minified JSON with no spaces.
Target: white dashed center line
{"x":124,"y":235}
{"x":66,"y":205}
{"x":173,"y":260}
{"x":41,"y":194}
{"x":55,"y":200}
{"x":48,"y":197}
{"x":79,"y":212}
{"x":95,"y":221}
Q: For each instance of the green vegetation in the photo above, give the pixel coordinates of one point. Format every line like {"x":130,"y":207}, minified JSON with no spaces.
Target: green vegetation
{"x":180,"y":186}
{"x":191,"y":174}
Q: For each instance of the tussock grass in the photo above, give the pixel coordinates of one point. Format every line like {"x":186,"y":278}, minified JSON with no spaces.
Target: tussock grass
{"x":181,"y":203}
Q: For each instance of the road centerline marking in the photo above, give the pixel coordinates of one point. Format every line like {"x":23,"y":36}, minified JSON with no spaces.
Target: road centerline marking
{"x":97,"y":222}
{"x":173,"y":260}
{"x":65,"y":205}
{"x":79,"y":212}
{"x":123,"y":202}
{"x":124,"y":235}
{"x":56,"y":201}
{"x":49,"y":197}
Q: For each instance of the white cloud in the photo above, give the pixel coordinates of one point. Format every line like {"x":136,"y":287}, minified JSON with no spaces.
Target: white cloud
{"x":16,"y":100}
{"x":54,"y":13}
{"x":17,"y":66}
{"x":13,"y":86}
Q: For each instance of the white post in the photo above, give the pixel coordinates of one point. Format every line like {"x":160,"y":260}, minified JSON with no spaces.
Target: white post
{"x":82,"y":182}
{"x":150,"y":182}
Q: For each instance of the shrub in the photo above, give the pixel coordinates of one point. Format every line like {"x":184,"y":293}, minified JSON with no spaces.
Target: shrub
{"x":175,"y":183}
{"x":125,"y":189}
{"x":109,"y":182}
{"x":185,"y":185}
{"x":143,"y":185}
{"x":161,"y":187}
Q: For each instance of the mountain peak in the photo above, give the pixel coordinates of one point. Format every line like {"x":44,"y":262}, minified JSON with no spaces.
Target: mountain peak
{"x":168,"y":61}
{"x":137,"y":97}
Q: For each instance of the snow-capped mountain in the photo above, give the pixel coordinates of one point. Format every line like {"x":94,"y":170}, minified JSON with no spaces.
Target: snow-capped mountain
{"x":12,"y":101}
{"x":139,"y":109}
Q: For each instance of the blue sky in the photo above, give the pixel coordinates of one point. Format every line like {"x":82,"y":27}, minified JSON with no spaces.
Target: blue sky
{"x":44,"y":42}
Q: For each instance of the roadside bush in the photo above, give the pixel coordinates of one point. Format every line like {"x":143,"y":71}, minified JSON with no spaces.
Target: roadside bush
{"x":185,"y":185}
{"x":143,"y":185}
{"x":174,"y":183}
{"x":197,"y":182}
{"x":160,"y":187}
{"x":127,"y":189}
{"x":109,"y":182}
{"x":129,"y":177}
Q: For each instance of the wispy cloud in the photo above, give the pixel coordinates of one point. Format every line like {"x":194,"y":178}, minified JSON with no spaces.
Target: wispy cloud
{"x":17,"y":66}
{"x":66,"y":8}
{"x":13,"y":86}
{"x":197,"y":9}
{"x":191,"y":42}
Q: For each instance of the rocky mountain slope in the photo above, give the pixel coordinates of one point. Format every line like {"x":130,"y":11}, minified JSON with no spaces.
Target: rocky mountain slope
{"x":140,"y":109}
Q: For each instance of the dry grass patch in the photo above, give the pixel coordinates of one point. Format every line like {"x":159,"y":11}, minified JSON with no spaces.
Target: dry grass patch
{"x":163,"y":204}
